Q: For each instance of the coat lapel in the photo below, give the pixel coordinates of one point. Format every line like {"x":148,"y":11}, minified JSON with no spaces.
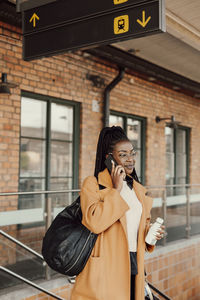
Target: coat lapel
{"x":104,"y":179}
{"x":140,"y":191}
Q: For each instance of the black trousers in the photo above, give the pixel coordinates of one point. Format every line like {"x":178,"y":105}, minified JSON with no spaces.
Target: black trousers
{"x":134,"y":271}
{"x":132,"y":287}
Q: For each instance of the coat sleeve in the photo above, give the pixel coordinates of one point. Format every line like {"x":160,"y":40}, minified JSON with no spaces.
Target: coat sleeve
{"x":100,"y":210}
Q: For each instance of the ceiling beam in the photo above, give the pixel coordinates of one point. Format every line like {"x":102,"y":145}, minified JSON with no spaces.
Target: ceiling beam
{"x":147,"y":70}
{"x":182,"y":30}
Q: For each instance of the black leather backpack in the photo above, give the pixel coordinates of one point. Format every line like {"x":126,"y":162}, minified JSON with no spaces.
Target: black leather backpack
{"x":67,"y":243}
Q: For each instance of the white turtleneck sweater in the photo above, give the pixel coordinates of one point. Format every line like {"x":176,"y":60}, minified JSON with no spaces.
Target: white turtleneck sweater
{"x":133,"y":215}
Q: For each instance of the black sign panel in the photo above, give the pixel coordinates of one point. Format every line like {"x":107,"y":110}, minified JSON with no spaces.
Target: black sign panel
{"x":128,"y":22}
{"x":64,"y":11}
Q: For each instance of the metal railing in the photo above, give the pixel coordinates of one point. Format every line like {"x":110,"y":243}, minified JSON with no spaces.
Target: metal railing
{"x":158,"y":291}
{"x":163,"y":190}
{"x":48,"y":215}
{"x":48,"y":218}
{"x":23,"y":279}
{"x":31,"y":283}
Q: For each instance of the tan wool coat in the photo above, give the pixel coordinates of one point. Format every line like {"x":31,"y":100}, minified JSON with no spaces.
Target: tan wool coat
{"x":106,"y":275}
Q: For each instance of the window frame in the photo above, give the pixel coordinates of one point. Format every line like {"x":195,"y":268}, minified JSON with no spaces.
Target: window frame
{"x":187,"y":148}
{"x":76,"y":136}
{"x":143,"y":121}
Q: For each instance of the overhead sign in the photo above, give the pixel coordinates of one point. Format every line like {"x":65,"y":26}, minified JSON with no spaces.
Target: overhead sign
{"x":69,"y":25}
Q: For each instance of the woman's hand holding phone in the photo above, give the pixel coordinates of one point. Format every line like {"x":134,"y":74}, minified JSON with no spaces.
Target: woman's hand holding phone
{"x":118,"y":175}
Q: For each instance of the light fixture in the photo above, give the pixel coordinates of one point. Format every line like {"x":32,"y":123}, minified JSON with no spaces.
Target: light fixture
{"x":4,"y":85}
{"x":172,"y":124}
{"x":176,"y":88}
{"x":151,"y":78}
{"x":133,"y":51}
{"x":96,"y":80}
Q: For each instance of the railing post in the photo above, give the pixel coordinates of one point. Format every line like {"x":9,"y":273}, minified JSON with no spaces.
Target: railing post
{"x":48,"y":212}
{"x":164,"y":211}
{"x":188,"y":226}
{"x":48,"y":220}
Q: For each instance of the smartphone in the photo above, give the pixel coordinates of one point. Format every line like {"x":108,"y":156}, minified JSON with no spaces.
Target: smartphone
{"x":108,"y":162}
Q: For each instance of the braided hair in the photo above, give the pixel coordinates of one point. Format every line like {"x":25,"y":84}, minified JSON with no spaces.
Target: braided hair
{"x":108,"y":138}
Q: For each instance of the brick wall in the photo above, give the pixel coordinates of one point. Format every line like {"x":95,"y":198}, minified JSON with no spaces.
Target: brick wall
{"x":64,"y":77}
{"x":175,"y":269}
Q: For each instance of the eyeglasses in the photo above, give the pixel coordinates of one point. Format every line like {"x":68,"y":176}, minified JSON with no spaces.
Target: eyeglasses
{"x":127,"y":155}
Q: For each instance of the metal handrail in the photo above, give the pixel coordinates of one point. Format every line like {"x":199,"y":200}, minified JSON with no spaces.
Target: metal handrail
{"x":38,"y":287}
{"x":172,"y":185}
{"x":38,"y":192}
{"x":13,"y":274}
{"x":158,"y":291}
{"x":22,"y":245}
{"x":78,"y":190}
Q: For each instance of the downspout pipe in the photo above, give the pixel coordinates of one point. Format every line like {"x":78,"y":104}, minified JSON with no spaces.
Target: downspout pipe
{"x":107,"y":91}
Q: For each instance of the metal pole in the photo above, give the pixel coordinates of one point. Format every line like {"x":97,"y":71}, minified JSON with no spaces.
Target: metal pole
{"x":30,"y":283}
{"x":48,"y":212}
{"x":164,"y":210}
{"x":188,"y":227}
{"x":48,"y":220}
{"x":107,"y":91}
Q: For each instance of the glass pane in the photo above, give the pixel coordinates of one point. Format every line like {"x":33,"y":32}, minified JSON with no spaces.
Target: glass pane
{"x":170,"y":190}
{"x":115,"y":121}
{"x":33,"y":118}
{"x":59,"y":184}
{"x":32,"y":158}
{"x":134,"y":132}
{"x":180,"y":190}
{"x":61,"y":122}
{"x":180,"y":141}
{"x":61,"y":200}
{"x":176,"y":216}
{"x":61,"y":159}
{"x":30,"y":185}
{"x":169,"y":138}
{"x":195,"y":210}
{"x":20,"y":261}
{"x":180,"y":165}
{"x":138,"y":163}
{"x":169,"y":165}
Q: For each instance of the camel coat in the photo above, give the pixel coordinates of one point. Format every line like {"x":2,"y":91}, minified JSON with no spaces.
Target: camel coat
{"x":106,"y":275}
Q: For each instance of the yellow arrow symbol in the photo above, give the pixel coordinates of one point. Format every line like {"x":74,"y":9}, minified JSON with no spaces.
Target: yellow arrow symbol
{"x":33,"y":18}
{"x":144,"y":22}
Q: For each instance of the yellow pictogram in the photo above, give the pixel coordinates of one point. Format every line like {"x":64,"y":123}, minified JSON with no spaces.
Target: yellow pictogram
{"x":121,"y":24}
{"x":144,"y":22}
{"x":119,"y":1}
{"x":33,"y":19}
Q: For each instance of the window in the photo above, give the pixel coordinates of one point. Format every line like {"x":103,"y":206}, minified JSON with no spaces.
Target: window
{"x":177,"y":158}
{"x":48,"y":156}
{"x":135,"y":129}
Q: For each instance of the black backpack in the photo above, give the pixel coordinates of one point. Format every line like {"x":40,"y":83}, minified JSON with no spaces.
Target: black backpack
{"x":67,"y":243}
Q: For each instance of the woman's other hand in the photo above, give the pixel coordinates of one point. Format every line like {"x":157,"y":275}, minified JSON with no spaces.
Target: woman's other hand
{"x":160,"y":233}
{"x":118,"y":175}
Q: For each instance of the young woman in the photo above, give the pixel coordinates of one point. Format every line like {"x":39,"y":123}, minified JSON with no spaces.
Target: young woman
{"x":120,"y":215}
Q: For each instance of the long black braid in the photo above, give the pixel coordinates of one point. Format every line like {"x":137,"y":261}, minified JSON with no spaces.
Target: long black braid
{"x":108,"y":138}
